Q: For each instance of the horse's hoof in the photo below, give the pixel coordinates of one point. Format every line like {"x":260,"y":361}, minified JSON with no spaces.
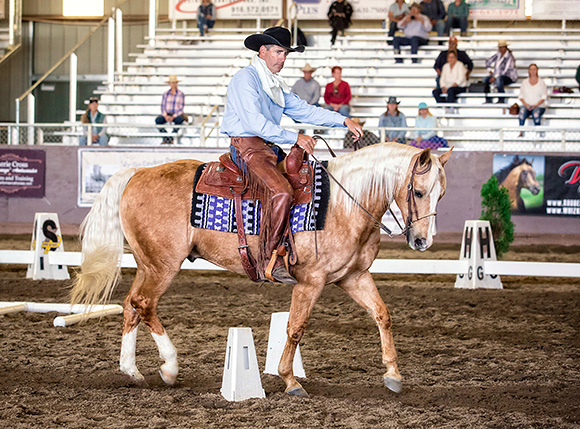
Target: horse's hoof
{"x":298,"y":391}
{"x":393,"y":384}
{"x":168,"y":378}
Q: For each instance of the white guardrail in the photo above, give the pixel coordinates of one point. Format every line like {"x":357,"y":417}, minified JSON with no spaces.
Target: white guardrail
{"x":382,"y":266}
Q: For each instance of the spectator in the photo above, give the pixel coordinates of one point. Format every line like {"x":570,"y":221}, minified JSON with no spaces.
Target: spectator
{"x":453,"y":80}
{"x":205,"y":16}
{"x":93,"y":116}
{"x":533,"y":95}
{"x":337,"y":93}
{"x":397,"y":12}
{"x":393,"y":118}
{"x":172,"y":104}
{"x":457,"y":13}
{"x":417,"y":28}
{"x":435,"y":10}
{"x":502,"y":70}
{"x":461,"y":56}
{"x":367,"y":139}
{"x":339,"y":15}
{"x":307,"y":88}
{"x":578,"y":75}
{"x":426,"y":138}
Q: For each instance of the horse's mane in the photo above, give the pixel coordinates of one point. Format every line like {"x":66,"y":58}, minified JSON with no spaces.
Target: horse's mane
{"x":372,"y":172}
{"x":502,"y":174}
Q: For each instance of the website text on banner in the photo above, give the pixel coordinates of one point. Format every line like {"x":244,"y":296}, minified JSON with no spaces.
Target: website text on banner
{"x":228,"y":9}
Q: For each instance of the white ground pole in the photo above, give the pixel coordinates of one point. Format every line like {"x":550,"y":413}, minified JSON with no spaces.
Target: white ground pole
{"x":80,"y":311}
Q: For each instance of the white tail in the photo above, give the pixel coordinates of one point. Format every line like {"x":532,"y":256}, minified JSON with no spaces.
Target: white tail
{"x":102,"y":244}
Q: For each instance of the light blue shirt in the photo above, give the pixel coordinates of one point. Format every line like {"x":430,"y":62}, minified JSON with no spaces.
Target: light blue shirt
{"x":427,"y":122}
{"x":250,"y":112}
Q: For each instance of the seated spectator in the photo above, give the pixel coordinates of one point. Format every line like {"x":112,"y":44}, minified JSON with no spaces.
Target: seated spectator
{"x":307,"y":88}
{"x":416,"y":27}
{"x":367,"y":139}
{"x":172,"y":105}
{"x":453,"y":80}
{"x":397,"y":12}
{"x":339,"y":15}
{"x":337,"y":93}
{"x":93,"y":116}
{"x":426,"y":138}
{"x":457,"y":13}
{"x":461,"y":56}
{"x":502,"y":70}
{"x":435,"y":10}
{"x":533,"y":95}
{"x":393,"y":118}
{"x":205,"y":16}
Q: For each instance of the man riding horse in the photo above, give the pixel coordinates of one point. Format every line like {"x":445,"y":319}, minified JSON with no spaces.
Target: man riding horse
{"x":256,"y":99}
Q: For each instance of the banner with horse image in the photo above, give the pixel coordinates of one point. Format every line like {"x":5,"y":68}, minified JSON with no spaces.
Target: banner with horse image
{"x":539,"y":184}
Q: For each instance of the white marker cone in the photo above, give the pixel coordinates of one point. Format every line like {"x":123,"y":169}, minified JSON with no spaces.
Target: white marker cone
{"x":276,"y":342}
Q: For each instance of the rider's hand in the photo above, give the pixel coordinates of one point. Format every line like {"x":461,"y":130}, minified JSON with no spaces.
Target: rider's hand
{"x":355,"y":128}
{"x":307,"y":143}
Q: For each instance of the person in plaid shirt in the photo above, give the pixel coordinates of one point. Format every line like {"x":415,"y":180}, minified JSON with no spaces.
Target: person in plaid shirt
{"x":172,"y":105}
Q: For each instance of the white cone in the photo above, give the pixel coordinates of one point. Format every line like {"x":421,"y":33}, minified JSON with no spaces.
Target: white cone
{"x":46,"y":238}
{"x":276,"y":342}
{"x":241,"y":379}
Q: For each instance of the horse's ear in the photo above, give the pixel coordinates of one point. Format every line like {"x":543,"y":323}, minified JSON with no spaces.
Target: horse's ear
{"x":445,"y":157}
{"x":425,"y":156}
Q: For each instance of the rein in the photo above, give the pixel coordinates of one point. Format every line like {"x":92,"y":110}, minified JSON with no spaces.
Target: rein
{"x":412,"y":203}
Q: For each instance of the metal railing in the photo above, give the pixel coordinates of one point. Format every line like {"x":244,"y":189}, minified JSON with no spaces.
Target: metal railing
{"x":534,"y":139}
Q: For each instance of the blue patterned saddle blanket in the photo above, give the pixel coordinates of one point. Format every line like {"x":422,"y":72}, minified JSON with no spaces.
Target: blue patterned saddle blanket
{"x":218,"y":213}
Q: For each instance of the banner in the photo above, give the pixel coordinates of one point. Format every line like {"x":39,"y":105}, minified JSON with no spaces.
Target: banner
{"x":363,"y":9}
{"x":96,"y":166}
{"x":496,"y":9}
{"x":540,"y":185}
{"x":22,"y":173}
{"x":228,"y":9}
{"x":556,"y":9}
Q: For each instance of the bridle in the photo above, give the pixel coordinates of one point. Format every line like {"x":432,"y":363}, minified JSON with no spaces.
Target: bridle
{"x":411,"y":201}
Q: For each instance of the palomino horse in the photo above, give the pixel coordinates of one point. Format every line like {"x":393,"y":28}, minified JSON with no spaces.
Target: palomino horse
{"x":151,"y":208}
{"x":518,"y":175}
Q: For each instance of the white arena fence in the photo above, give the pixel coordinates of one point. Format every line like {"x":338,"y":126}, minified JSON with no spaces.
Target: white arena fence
{"x":535,"y":139}
{"x":379,"y":266}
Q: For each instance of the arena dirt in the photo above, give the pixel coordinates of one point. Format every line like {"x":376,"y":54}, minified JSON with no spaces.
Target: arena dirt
{"x":470,"y":358}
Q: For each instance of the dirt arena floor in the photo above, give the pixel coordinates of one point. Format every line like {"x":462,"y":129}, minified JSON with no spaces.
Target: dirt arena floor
{"x":469,"y":358}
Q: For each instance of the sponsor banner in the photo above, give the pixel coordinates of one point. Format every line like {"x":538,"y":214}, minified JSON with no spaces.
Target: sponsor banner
{"x":22,"y":173}
{"x":556,"y":9}
{"x":228,"y":9}
{"x":362,"y":9}
{"x":96,"y":166}
{"x":540,"y":185}
{"x":496,"y":9}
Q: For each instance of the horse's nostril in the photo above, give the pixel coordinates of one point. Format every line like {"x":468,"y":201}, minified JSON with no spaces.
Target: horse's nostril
{"x":420,"y":243}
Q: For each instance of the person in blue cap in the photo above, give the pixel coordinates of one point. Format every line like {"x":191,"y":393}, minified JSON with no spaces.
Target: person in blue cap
{"x":426,"y":138}
{"x":257,"y":97}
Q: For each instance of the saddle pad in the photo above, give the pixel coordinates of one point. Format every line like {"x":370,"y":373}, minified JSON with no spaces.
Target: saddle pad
{"x":218,"y":213}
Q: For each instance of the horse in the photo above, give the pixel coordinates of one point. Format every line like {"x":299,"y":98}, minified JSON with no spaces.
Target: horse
{"x":520,"y":174}
{"x":150,"y":207}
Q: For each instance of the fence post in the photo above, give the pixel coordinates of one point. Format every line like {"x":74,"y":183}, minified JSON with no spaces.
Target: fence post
{"x":30,"y":118}
{"x":501,"y":139}
{"x":11,"y":22}
{"x":119,"y":39}
{"x":111,"y":52}
{"x":72,"y":112}
{"x":202,"y":135}
{"x":563,"y":139}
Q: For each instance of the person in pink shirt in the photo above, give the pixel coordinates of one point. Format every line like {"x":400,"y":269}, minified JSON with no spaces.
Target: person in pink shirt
{"x":337,"y":93}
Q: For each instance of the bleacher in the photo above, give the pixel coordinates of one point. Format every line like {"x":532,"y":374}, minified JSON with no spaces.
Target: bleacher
{"x":205,"y":66}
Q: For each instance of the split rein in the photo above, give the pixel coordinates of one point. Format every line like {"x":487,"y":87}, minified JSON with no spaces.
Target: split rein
{"x":411,"y":202}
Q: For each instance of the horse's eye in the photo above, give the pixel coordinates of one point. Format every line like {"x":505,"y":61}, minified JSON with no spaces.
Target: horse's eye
{"x":419,"y":194}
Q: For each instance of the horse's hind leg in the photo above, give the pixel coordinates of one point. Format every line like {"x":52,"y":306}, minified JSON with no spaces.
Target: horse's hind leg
{"x":141,"y":304}
{"x":361,"y":287}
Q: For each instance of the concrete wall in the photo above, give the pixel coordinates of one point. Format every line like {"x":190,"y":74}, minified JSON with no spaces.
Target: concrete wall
{"x":466,"y":172}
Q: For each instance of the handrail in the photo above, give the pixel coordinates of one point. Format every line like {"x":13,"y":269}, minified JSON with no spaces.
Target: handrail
{"x":70,"y":52}
{"x":7,"y":55}
{"x":209,"y":115}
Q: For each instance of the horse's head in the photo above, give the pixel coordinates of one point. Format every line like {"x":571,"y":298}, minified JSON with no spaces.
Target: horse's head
{"x":423,"y":187}
{"x":527,"y":178}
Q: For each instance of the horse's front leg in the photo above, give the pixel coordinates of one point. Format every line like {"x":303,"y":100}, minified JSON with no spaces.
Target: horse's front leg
{"x":304,"y":296}
{"x":361,"y":287}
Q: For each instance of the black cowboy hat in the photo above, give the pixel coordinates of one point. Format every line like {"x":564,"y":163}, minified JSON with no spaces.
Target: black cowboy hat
{"x":272,"y":36}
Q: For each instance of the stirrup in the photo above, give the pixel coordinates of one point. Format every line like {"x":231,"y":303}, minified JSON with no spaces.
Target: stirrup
{"x":282,"y":276}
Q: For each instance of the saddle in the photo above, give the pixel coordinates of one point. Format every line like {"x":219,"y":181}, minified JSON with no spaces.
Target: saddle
{"x":226,"y":180}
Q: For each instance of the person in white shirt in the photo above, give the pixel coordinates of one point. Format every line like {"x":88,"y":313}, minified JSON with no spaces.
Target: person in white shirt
{"x":533,"y":95}
{"x":453,"y":80}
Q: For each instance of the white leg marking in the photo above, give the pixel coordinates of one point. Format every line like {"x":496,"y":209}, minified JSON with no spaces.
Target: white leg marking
{"x":168,"y":353}
{"x":127,"y":361}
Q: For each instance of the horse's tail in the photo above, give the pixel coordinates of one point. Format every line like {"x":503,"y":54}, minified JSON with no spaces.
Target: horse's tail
{"x":102,"y":244}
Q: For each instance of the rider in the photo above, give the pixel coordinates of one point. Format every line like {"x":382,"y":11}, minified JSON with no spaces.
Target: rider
{"x":256,"y":99}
